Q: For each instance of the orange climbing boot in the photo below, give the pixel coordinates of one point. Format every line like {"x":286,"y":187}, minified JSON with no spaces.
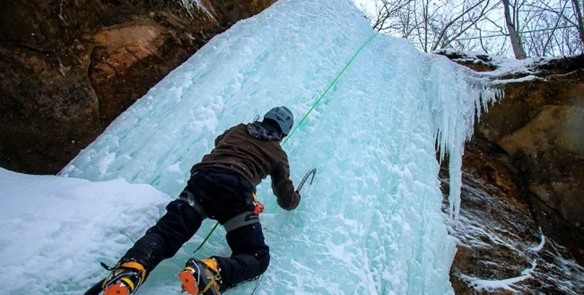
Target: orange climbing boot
{"x":124,"y":279}
{"x":201,"y":277}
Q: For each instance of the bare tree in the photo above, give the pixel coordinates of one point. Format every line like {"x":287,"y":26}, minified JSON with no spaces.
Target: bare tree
{"x":431,"y":24}
{"x":553,"y":28}
{"x":511,"y":12}
{"x":455,"y":27}
{"x":521,"y":27}
{"x":423,"y":18}
{"x":578,"y":7}
{"x":387,"y":11}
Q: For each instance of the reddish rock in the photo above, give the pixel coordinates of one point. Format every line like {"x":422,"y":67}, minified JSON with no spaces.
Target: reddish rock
{"x":68,"y":68}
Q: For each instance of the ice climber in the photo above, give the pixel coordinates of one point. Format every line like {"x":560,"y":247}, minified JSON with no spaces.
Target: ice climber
{"x":221,"y":187}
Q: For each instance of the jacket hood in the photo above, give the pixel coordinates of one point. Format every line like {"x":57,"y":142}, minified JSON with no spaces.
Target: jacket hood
{"x":261,"y":130}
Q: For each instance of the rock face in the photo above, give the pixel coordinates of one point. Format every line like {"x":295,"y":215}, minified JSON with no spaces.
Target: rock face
{"x":540,"y":124}
{"x":68,"y":68}
{"x":522,"y":211}
{"x":503,"y":248}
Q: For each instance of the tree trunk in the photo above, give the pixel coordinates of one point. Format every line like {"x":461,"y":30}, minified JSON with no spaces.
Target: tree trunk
{"x":516,"y":43}
{"x":578,"y":12}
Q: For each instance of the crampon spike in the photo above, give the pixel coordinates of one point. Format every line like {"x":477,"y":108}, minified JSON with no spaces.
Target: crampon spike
{"x":188,"y":282}
{"x":116,"y":289}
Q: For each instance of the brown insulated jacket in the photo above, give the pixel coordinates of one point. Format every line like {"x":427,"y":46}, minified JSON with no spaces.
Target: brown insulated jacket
{"x":254,"y":152}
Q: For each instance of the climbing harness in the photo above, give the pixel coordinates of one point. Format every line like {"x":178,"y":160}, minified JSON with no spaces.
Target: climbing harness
{"x":247,"y":218}
{"x":188,"y":197}
{"x":241,"y":220}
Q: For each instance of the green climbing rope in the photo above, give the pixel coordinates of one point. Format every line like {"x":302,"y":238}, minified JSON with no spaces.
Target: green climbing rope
{"x":330,"y":85}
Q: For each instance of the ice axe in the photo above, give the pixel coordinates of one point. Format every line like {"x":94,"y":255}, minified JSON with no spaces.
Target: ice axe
{"x":308,"y":174}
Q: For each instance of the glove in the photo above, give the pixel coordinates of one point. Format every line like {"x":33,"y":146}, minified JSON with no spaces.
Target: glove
{"x":297,"y":199}
{"x":290,"y":204}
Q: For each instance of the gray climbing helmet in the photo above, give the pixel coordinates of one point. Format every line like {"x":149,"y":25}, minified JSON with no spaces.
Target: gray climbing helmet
{"x":283,"y":116}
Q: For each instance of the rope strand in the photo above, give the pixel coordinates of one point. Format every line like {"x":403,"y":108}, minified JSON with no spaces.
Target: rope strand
{"x":330,"y":85}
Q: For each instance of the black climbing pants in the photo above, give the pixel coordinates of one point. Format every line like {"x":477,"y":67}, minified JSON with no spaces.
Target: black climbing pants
{"x":223,"y":195}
